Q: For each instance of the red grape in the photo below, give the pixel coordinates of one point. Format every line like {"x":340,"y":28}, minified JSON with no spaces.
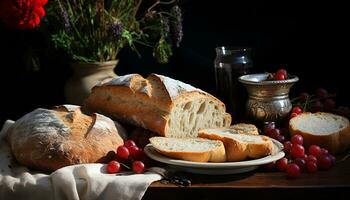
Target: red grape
{"x":329,"y":104}
{"x":324,"y":162}
{"x":138,"y":167}
{"x":282,"y":164}
{"x":311,"y":167}
{"x":282,"y":71}
{"x":135,"y":152}
{"x":303,"y":96}
{"x":311,"y":158}
{"x":113,"y":167}
{"x":287,"y":145}
{"x":280,"y":77}
{"x":280,"y":138}
{"x":129,"y":143}
{"x":297,"y":151}
{"x":270,"y":166}
{"x":297,"y":110}
{"x":314,"y":150}
{"x":301,"y":163}
{"x":293,"y":170}
{"x":123,"y":152}
{"x":321,"y":92}
{"x":274,"y":133}
{"x":297,"y":139}
{"x":268,"y":127}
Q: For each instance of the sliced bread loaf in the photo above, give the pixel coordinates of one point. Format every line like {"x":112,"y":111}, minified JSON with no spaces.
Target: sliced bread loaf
{"x":158,"y":103}
{"x":327,"y":130}
{"x":240,"y":146}
{"x":191,"y":149}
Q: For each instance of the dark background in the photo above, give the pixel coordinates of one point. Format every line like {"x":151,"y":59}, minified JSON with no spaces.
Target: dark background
{"x":309,"y":40}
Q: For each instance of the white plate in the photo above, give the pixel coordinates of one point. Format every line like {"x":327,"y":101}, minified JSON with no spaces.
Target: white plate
{"x":216,"y":168}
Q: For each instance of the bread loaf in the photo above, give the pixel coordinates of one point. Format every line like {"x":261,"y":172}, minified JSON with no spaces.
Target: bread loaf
{"x":240,"y":146}
{"x":191,"y":149}
{"x":166,"y":106}
{"x":327,"y":130}
{"x":50,"y":139}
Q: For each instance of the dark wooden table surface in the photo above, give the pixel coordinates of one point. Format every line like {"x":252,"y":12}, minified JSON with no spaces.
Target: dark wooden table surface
{"x":334,"y":183}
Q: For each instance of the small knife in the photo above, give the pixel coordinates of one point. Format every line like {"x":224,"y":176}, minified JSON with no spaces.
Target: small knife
{"x":170,"y":176}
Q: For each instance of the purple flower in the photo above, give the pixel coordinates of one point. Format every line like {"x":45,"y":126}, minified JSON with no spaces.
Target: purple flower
{"x":115,"y":31}
{"x":65,"y":18}
{"x":177,"y":31}
{"x":165,"y":23}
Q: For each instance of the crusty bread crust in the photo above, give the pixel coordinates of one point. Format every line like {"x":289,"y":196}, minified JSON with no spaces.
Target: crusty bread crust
{"x":50,"y":139}
{"x":189,"y":156}
{"x":156,"y":104}
{"x":217,"y":154}
{"x":237,"y":150}
{"x":335,"y":142}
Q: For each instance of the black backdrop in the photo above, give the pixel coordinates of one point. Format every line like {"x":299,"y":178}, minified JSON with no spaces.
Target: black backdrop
{"x":308,"y":40}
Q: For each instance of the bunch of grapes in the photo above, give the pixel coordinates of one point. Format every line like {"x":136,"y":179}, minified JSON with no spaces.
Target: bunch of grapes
{"x":272,"y":131}
{"x":297,"y":160}
{"x":130,"y":156}
{"x":320,"y":101}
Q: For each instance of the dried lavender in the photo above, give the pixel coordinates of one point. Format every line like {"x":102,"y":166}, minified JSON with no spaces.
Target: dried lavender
{"x":115,"y":31}
{"x":165,"y":24}
{"x":66,"y":22}
{"x":166,"y":30}
{"x":177,"y":32}
{"x":97,"y":30}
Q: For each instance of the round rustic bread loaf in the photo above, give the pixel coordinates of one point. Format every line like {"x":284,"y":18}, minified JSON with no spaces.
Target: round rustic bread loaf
{"x":327,"y":130}
{"x":50,"y":139}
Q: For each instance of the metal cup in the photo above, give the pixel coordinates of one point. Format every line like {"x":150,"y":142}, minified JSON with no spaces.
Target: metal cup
{"x":268,"y":100}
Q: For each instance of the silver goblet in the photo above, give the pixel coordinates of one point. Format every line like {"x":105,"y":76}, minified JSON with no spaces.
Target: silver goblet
{"x":268,"y":100}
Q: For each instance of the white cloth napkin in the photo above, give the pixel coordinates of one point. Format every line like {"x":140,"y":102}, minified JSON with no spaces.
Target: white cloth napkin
{"x":85,"y":181}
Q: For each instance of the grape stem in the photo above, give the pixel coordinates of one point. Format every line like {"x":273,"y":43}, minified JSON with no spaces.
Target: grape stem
{"x":309,"y":99}
{"x":345,"y":157}
{"x":127,"y":167}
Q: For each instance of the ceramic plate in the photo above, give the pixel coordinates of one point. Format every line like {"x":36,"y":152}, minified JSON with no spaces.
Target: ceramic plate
{"x":216,"y":168}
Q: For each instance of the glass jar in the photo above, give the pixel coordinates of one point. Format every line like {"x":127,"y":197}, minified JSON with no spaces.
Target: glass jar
{"x":231,"y":63}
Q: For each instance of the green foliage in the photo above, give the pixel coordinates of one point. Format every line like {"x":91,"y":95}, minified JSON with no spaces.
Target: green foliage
{"x":162,"y":51}
{"x":96,"y":30}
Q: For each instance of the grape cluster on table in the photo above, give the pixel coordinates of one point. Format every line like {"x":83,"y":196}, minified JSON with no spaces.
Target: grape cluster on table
{"x":297,"y":159}
{"x":128,"y":156}
{"x":319,"y":100}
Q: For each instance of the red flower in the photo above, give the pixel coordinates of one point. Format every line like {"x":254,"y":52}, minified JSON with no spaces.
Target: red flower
{"x":22,"y":14}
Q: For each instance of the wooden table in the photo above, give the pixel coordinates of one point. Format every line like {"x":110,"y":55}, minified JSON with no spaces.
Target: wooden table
{"x":331,"y":184}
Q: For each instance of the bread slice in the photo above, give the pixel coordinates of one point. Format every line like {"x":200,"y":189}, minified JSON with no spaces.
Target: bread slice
{"x":240,"y":146}
{"x":243,"y":128}
{"x":191,"y":149}
{"x":327,"y":130}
